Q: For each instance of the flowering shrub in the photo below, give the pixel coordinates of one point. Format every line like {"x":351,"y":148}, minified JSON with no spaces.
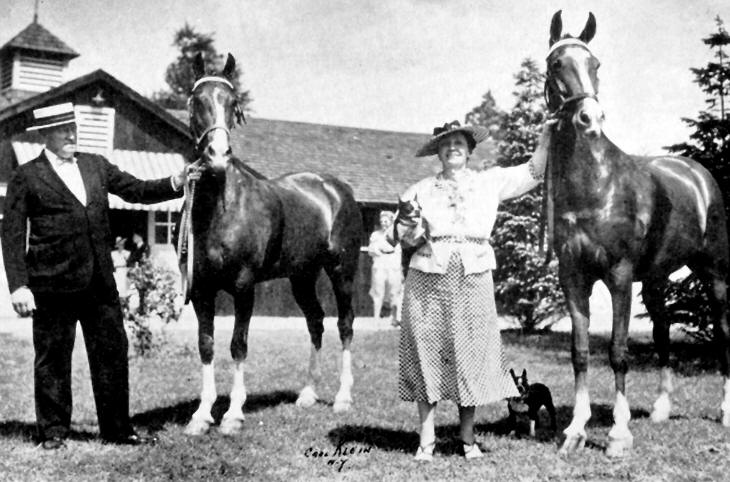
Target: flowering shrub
{"x":154,"y":298}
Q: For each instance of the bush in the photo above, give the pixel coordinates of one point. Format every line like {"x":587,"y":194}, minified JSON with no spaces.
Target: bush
{"x":687,"y":303}
{"x":156,"y":300}
{"x":525,"y":287}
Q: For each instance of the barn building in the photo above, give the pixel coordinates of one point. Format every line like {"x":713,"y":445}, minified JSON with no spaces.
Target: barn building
{"x":150,"y":142}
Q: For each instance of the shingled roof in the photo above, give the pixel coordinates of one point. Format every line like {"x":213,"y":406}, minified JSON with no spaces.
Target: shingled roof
{"x":36,"y":37}
{"x":379,"y":165}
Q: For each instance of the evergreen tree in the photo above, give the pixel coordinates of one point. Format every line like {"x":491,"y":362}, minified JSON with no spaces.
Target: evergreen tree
{"x":525,"y":287}
{"x":179,"y":75}
{"x":709,"y":144}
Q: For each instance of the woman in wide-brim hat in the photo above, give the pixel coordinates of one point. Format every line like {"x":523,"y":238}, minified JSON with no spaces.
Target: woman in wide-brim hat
{"x":450,"y":345}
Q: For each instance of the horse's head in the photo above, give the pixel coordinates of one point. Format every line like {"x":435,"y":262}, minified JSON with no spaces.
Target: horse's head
{"x":571,"y":86}
{"x":214,"y":110}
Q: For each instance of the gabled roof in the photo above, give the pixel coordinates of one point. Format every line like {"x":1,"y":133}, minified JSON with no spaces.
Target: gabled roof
{"x":64,"y":90}
{"x":36,"y":37}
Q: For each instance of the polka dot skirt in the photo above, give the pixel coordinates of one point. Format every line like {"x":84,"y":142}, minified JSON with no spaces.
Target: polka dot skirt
{"x":450,"y":344}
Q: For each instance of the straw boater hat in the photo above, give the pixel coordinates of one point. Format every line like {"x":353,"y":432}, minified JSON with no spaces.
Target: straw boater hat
{"x":431,"y":148}
{"x":52,"y":116}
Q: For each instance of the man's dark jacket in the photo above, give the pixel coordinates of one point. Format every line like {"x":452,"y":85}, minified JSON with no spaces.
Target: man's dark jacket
{"x":67,"y":240}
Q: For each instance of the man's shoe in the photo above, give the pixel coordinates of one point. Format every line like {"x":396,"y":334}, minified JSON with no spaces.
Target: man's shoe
{"x":131,"y":439}
{"x":53,"y":443}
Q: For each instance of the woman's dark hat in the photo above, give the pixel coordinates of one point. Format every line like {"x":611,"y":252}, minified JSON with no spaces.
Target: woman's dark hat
{"x":431,"y":148}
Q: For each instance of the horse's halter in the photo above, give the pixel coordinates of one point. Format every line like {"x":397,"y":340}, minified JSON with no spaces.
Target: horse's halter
{"x":556,"y":93}
{"x":217,"y":125}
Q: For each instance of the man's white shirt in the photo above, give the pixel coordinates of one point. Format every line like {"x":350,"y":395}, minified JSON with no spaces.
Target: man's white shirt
{"x":68,"y":171}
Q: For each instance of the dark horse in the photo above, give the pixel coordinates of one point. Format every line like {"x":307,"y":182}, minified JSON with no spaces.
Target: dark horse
{"x":620,"y":218}
{"x":242,"y":230}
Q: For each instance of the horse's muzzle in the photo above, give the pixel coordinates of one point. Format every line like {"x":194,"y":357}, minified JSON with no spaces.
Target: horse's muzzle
{"x":588,"y":118}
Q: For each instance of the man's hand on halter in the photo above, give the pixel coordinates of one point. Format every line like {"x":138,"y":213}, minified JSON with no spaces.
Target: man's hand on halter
{"x":190,"y":172}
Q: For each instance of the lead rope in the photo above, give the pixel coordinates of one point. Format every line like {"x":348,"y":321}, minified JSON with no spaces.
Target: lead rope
{"x":185,"y":241}
{"x":548,"y":208}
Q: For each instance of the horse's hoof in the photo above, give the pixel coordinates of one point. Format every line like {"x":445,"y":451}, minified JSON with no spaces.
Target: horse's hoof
{"x":619,"y":447}
{"x":659,"y":416}
{"x":573,"y":443}
{"x":197,"y":427}
{"x":307,"y":398}
{"x":342,"y":406}
{"x":231,"y":426}
{"x":662,"y":408}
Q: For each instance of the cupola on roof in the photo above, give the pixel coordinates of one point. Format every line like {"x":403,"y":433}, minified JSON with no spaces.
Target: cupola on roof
{"x":36,"y":38}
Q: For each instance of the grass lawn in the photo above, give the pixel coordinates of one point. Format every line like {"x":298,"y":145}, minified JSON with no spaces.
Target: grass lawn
{"x":376,"y":440}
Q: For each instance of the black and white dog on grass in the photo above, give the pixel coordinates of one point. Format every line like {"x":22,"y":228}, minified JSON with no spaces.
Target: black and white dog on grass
{"x":531,"y":399}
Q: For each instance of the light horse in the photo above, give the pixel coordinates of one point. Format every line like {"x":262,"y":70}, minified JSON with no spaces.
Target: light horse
{"x":242,"y":230}
{"x":620,"y":218}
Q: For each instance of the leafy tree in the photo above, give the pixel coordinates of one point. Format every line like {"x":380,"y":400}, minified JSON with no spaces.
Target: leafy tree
{"x":525,"y":286}
{"x":709,"y":144}
{"x":179,"y":75}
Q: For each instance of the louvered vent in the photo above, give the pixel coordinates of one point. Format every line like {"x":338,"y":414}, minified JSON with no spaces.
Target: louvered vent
{"x":95,"y":128}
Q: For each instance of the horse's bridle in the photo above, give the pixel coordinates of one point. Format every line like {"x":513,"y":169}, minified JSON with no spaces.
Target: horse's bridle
{"x":239,"y":114}
{"x":557,"y":101}
{"x":553,"y":87}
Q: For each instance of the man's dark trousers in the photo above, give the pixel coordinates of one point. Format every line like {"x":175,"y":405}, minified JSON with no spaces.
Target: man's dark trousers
{"x":54,"y":332}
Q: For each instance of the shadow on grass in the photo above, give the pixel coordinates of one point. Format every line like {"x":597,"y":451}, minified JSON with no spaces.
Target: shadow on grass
{"x":394,"y":440}
{"x":27,"y":431}
{"x":181,"y":413}
{"x":687,"y":357}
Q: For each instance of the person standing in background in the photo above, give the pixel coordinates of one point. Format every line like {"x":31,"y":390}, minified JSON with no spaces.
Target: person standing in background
{"x":140,"y":250}
{"x":386,"y":278}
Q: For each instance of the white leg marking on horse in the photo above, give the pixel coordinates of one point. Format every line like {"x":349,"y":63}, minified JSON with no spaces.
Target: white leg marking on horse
{"x":233,"y":419}
{"x":202,"y":418}
{"x":620,"y":439}
{"x":343,"y":399}
{"x":726,"y":403}
{"x":575,"y":433}
{"x":308,"y":395}
{"x":663,"y":403}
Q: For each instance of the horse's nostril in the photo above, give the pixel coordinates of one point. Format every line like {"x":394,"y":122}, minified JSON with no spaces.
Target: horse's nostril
{"x":584,"y":119}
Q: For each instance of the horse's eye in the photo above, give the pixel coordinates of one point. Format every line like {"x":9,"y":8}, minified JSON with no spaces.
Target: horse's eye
{"x":557,"y":65}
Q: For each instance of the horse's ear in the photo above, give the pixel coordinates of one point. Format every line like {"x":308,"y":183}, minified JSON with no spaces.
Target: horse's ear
{"x":230,"y":66}
{"x":556,"y":27}
{"x":590,"y":29}
{"x":198,"y":66}
{"x":524,"y":373}
{"x":512,"y":372}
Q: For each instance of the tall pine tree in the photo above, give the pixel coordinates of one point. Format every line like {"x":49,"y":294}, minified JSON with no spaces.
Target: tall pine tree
{"x":525,"y":287}
{"x":179,"y":75}
{"x":709,"y":144}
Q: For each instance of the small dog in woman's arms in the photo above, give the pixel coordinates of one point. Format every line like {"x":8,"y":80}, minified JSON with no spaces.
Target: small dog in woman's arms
{"x":532,"y":398}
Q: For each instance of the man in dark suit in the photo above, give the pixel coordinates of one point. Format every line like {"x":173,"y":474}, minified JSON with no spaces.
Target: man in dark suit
{"x":56,"y":243}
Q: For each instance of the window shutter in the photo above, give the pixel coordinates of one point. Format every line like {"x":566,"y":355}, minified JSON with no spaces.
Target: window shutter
{"x":95,"y":128}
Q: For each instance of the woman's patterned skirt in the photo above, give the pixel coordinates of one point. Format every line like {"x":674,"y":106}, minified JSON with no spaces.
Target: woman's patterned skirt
{"x":450,"y":344}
